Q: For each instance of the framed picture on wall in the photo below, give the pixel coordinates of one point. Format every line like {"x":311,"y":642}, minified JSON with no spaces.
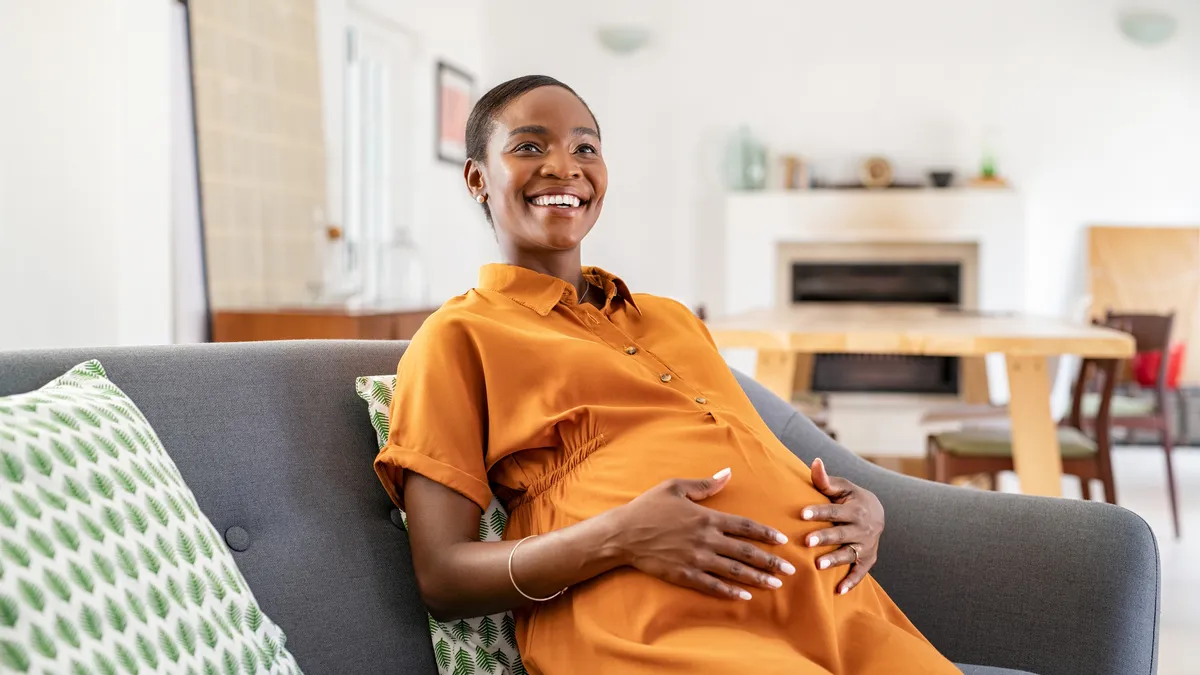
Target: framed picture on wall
{"x":455,"y":95}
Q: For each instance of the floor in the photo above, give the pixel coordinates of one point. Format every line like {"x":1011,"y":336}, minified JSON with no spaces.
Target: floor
{"x":1141,"y":482}
{"x":1141,"y":487}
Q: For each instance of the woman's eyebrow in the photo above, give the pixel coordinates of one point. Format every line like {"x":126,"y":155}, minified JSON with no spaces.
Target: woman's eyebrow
{"x":529,"y":129}
{"x":540,"y":130}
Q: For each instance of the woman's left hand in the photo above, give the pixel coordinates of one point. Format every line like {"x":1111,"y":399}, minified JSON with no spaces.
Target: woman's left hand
{"x":858,"y":521}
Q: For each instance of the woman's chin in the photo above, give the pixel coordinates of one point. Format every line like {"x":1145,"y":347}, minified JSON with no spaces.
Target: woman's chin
{"x":562,"y":236}
{"x":561,"y":242}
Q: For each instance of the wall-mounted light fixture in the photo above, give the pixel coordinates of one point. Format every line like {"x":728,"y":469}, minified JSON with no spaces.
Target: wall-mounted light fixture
{"x":623,"y":39}
{"x":1147,"y":27}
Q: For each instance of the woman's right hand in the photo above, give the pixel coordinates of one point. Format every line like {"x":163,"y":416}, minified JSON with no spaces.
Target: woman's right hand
{"x":666,"y":534}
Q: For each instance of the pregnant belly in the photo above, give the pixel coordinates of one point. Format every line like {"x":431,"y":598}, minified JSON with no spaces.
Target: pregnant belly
{"x":626,"y":606}
{"x":769,"y":484}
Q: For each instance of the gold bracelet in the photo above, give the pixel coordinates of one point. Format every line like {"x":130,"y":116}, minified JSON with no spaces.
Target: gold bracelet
{"x":514,"y":581}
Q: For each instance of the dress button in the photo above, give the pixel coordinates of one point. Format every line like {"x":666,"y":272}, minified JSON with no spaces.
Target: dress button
{"x":701,"y":400}
{"x":665,"y":377}
{"x":631,"y":350}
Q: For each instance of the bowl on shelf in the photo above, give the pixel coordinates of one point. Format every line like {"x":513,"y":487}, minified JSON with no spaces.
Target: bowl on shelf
{"x":941,"y":179}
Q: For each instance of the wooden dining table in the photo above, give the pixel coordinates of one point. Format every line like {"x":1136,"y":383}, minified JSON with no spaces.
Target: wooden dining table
{"x":785,"y":337}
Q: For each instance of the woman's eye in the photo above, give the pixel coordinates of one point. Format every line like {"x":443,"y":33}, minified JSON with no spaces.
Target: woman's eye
{"x":586,"y":147}
{"x":526,"y":147}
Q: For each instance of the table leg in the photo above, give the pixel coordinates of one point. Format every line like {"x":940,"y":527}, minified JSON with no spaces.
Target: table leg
{"x":804,"y":372}
{"x":776,"y":370}
{"x":974,"y":380}
{"x":1036,"y":454}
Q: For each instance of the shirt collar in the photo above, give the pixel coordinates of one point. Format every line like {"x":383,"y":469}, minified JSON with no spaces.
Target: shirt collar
{"x":542,"y":292}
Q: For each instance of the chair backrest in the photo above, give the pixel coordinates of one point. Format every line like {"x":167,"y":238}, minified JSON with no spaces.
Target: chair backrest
{"x":1098,"y":375}
{"x":1151,"y":333}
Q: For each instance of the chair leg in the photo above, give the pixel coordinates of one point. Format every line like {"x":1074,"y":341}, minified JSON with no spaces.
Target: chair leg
{"x":1085,"y":487}
{"x":1106,"y":480}
{"x":937,"y":463}
{"x":1168,"y":441}
{"x":989,"y":481}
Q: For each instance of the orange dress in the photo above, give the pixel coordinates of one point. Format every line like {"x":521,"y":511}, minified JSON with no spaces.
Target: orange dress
{"x":565,"y":411}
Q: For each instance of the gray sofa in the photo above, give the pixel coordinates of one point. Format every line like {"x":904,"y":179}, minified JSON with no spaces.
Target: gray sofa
{"x":273,"y":440}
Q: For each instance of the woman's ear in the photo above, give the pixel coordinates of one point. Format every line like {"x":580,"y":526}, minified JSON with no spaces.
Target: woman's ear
{"x":473,"y":175}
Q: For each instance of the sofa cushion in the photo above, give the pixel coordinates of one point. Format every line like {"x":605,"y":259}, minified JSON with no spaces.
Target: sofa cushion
{"x":468,"y":645}
{"x":108,"y":561}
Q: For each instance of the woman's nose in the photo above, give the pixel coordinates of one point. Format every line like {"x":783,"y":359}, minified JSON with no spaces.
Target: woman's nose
{"x":561,"y":164}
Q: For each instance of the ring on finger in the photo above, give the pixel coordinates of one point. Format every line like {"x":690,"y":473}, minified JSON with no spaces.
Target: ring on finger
{"x":857,"y":552}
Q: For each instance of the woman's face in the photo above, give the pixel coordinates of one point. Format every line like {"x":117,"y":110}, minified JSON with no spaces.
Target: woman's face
{"x":544,"y":177}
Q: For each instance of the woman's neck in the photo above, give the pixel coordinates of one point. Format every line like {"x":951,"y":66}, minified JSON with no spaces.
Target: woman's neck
{"x":562,"y":264}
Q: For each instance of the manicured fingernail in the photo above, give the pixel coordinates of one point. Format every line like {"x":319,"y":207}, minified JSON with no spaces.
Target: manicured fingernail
{"x":781,"y":537}
{"x":745,"y":595}
{"x":807,"y":515}
{"x":773,"y":582}
{"x":824,"y":564}
{"x":845,"y":589}
{"x":813,"y":540}
{"x":722,"y":474}
{"x":787,"y":568}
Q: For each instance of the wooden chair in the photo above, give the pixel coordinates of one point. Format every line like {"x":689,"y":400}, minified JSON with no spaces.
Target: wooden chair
{"x":988,"y":450}
{"x":1139,"y":408}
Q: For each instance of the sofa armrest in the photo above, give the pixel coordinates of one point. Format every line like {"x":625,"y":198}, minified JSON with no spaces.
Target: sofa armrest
{"x":1050,"y":586}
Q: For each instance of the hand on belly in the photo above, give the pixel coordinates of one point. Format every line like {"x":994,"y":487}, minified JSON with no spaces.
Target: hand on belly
{"x":667,"y":534}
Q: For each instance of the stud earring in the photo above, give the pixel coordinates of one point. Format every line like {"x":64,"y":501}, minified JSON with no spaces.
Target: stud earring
{"x":481,"y":198}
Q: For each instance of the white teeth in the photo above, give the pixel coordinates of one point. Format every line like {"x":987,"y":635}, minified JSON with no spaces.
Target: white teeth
{"x":556,"y":200}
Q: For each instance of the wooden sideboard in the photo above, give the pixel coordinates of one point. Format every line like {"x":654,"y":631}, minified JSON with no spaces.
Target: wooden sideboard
{"x":253,"y":325}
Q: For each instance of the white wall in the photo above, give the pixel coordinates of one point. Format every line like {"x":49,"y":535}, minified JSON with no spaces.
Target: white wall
{"x":1093,"y":129}
{"x":453,"y":236}
{"x":84,"y":173}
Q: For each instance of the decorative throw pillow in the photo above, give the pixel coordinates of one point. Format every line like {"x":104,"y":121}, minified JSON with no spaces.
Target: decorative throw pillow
{"x":485,"y":644}
{"x":106,"y":563}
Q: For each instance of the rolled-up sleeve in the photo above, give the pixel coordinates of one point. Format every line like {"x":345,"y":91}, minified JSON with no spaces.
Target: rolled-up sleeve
{"x":438,"y":415}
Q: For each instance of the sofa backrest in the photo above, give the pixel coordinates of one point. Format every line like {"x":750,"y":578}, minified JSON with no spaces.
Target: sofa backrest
{"x":272,"y":439}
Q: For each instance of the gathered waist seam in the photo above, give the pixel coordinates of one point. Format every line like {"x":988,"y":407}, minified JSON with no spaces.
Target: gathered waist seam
{"x":550,"y":478}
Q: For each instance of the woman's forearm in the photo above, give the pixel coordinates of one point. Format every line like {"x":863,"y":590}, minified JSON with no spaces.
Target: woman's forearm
{"x":473,"y":577}
{"x":663,"y":532}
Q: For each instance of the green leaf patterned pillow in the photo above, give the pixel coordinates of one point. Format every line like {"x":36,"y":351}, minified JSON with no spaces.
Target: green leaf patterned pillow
{"x":106,"y":563}
{"x":485,"y":644}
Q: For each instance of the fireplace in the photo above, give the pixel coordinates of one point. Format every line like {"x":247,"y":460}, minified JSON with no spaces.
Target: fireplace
{"x":766,"y":231}
{"x":879,"y":282}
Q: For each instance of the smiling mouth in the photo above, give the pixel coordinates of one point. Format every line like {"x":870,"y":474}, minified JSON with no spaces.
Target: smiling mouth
{"x":563,"y":201}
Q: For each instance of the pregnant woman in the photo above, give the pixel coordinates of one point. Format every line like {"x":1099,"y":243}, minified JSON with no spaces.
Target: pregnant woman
{"x":656,"y":525}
